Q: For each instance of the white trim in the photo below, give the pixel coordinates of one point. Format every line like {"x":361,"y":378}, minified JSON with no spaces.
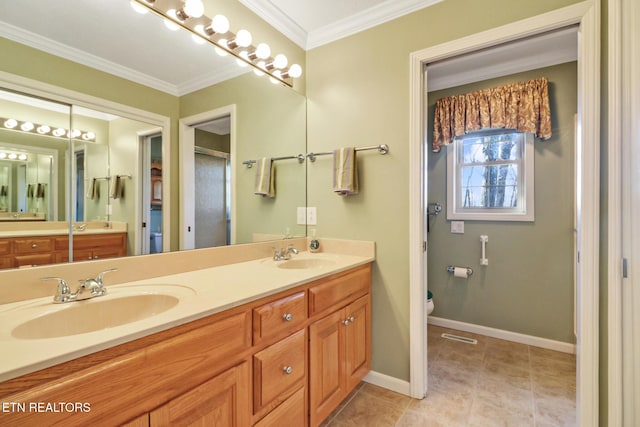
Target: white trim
{"x":587,"y":14}
{"x":563,"y":347}
{"x":390,"y":383}
{"x":278,"y":20}
{"x":60,"y":94}
{"x":614,"y":230}
{"x":368,"y":18}
{"x":186,"y":171}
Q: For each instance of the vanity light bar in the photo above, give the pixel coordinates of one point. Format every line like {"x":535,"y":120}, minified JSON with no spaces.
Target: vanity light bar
{"x":216,"y":32}
{"x":45,"y":130}
{"x":10,"y":155}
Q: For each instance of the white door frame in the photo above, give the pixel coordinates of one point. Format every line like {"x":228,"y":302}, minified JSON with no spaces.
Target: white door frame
{"x":624,"y":202}
{"x":143,"y":188}
{"x":187,"y":171}
{"x":587,"y":15}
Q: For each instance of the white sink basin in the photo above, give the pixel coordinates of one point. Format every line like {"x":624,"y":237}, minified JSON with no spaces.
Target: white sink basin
{"x":119,"y":307}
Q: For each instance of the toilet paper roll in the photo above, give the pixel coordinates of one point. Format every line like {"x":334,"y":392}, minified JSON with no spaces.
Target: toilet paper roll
{"x":460,"y":272}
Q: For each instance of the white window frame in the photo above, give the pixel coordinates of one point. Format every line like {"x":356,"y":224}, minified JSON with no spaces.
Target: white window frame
{"x":525,"y":210}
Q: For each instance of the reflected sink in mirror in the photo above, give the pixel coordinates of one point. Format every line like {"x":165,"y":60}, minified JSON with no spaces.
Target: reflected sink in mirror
{"x":125,"y":305}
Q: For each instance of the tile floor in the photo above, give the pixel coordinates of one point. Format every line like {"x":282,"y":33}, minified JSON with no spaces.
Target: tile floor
{"x":493,"y":383}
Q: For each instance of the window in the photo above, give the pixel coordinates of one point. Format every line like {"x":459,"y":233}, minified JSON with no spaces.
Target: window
{"x":490,"y":177}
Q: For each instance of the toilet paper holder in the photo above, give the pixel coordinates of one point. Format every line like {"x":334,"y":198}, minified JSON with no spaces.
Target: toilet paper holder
{"x":452,"y":268}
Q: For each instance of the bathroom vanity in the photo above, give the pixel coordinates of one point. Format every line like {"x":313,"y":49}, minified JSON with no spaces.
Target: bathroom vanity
{"x":260,"y":342}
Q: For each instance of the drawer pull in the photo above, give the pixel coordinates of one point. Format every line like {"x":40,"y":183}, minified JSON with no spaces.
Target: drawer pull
{"x":287,"y":370}
{"x":345,"y":322}
{"x":287,"y":317}
{"x":33,"y":245}
{"x":351,"y":319}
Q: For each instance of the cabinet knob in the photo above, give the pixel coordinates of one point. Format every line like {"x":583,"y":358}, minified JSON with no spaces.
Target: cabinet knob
{"x":33,"y":245}
{"x":287,"y":370}
{"x":287,"y":317}
{"x":345,"y":322}
{"x":95,"y":257}
{"x":351,"y":319}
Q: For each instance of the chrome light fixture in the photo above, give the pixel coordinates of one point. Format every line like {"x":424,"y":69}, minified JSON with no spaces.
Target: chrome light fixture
{"x":26,"y":126}
{"x":189,"y":14}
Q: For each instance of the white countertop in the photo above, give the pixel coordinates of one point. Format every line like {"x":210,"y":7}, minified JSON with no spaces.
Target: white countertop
{"x":207,"y":291}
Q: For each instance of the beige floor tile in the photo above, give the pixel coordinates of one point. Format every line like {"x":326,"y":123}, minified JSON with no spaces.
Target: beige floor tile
{"x":484,"y":414}
{"x":367,"y":410}
{"x":555,"y":411}
{"x":513,"y":375}
{"x":390,"y":397}
{"x":494,"y":392}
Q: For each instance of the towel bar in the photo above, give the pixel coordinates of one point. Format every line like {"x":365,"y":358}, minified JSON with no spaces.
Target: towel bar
{"x":300,"y":157}
{"x":382,"y":149}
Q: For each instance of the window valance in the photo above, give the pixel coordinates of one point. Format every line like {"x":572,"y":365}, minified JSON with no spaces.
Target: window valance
{"x":523,"y":106}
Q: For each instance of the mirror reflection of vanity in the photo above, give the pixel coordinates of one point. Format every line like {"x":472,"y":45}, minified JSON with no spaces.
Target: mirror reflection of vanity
{"x":81,"y":198}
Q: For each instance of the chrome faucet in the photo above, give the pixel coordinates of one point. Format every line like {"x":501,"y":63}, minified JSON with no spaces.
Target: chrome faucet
{"x":89,"y":288}
{"x":284,"y":253}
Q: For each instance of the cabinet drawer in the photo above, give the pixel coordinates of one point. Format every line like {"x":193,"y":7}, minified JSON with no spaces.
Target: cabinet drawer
{"x":98,"y":240}
{"x":33,"y":245}
{"x":5,"y":247}
{"x":289,"y":413}
{"x":276,"y":317}
{"x":278,"y":370}
{"x":339,"y":289}
{"x":38,"y":259}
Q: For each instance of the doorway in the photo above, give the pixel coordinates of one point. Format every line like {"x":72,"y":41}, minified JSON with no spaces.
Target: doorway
{"x":151,"y":237}
{"x":207,"y":148}
{"x":586,"y":15}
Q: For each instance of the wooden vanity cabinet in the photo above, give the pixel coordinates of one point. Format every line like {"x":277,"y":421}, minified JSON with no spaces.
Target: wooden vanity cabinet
{"x":284,"y":360}
{"x":339,"y":342}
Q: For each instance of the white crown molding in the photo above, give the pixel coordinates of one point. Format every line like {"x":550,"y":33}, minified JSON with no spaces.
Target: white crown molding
{"x":210,"y":79}
{"x":279,"y":20}
{"x":36,"y":41}
{"x":384,"y":12}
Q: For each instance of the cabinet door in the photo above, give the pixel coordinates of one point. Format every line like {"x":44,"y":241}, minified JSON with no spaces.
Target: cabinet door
{"x":327,"y":387}
{"x":223,"y":401}
{"x":290,"y":413}
{"x":358,"y":341}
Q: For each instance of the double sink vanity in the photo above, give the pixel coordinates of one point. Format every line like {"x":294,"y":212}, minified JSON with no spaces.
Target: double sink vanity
{"x":223,"y":336}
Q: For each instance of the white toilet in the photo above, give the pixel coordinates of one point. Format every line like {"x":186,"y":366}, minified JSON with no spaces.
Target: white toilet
{"x":156,"y":243}
{"x":429,"y":302}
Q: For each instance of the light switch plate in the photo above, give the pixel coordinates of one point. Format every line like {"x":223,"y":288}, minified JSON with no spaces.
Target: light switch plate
{"x":302,"y":215}
{"x":312,"y":216}
{"x":457,"y":227}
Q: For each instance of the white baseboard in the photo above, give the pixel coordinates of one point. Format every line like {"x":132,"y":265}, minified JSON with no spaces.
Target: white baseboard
{"x":503,"y":335}
{"x":390,"y":383}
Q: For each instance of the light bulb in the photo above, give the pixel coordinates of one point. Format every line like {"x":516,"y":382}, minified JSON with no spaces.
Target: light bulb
{"x":74,"y":133}
{"x":59,"y":132}
{"x":171,"y":25}
{"x":88,"y":136}
{"x":258,"y":72}
{"x":27,"y":126}
{"x":193,"y":8}
{"x":219,"y":50}
{"x":138,"y":7}
{"x":263,"y":51}
{"x":243,"y":38}
{"x":42,"y":129}
{"x":280,"y":61}
{"x":13,"y":156}
{"x":10,"y":123}
{"x":197,"y":39}
{"x":262,"y":65}
{"x":3,"y":155}
{"x":22,"y":157}
{"x":295,"y":71}
{"x":274,"y":80}
{"x":220,"y":24}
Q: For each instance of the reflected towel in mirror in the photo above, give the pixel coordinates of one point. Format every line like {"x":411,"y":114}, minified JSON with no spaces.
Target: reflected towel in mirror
{"x":93,"y":192}
{"x":345,"y":171}
{"x":40,"y":190}
{"x":265,"y":178}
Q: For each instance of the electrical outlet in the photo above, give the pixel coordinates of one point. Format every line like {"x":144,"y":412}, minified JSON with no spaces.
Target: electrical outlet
{"x":302,"y":216}
{"x":457,"y":227}
{"x":312,"y":216}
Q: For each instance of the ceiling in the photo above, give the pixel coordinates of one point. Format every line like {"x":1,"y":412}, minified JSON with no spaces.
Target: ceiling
{"x":110,"y":36}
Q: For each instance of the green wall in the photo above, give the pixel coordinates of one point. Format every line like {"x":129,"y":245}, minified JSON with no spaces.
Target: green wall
{"x":358,"y":94}
{"x":528,"y":285}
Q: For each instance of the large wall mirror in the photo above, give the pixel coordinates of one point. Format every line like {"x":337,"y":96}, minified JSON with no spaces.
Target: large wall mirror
{"x":107,"y":175}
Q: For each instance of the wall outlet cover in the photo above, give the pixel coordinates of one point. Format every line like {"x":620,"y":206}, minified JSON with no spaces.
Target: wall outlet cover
{"x":312,"y":216}
{"x":301,"y":216}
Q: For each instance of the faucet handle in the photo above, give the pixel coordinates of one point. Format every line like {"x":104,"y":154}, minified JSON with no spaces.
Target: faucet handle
{"x":63,"y":293}
{"x":102,"y":273}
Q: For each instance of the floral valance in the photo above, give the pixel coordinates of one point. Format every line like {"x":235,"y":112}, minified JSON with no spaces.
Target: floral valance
{"x":522,"y":106}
